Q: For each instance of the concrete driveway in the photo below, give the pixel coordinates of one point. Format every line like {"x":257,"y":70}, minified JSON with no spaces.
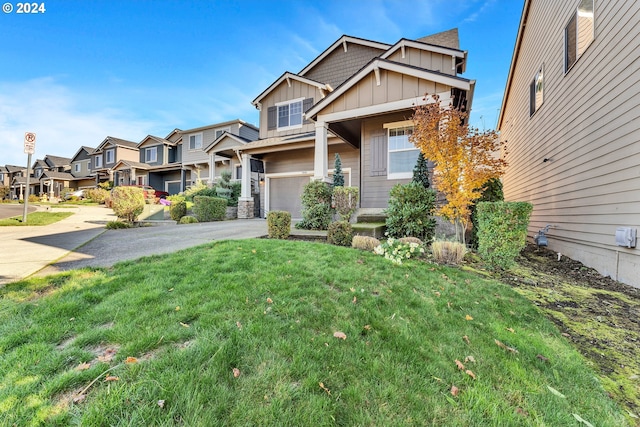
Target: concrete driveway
{"x":82,"y":241}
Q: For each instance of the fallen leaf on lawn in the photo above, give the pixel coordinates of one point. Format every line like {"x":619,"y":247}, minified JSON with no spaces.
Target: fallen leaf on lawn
{"x":470,"y":373}
{"x":253,"y":251}
{"x":467,"y":317}
{"x":340,"y":335}
{"x":80,"y":398}
{"x":448,"y":304}
{"x":522,"y":412}
{"x":541,"y":357}
{"x":161,"y":403}
{"x":367,"y":327}
{"x":112,"y":378}
{"x":459,"y":364}
{"x":239,"y":325}
{"x":131,"y":359}
{"x":470,"y":359}
{"x":582,"y":420}
{"x":501,"y":345}
{"x":83,"y":366}
{"x":556,"y":392}
{"x":352,"y":289}
{"x":437,"y":294}
{"x":269,"y":301}
{"x":511,"y":330}
{"x":324,"y":388}
{"x":564,"y":334}
{"x":454,"y":390}
{"x":437,"y":379}
{"x":634,"y":377}
{"x":105,"y":358}
{"x":177,"y":308}
{"x":466,"y":339}
{"x":171,"y":290}
{"x":354,"y":300}
{"x":631,"y":414}
{"x":184,"y":325}
{"x":236,"y":372}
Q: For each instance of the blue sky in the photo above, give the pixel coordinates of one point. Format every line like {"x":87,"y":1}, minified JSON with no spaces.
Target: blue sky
{"x":83,"y":70}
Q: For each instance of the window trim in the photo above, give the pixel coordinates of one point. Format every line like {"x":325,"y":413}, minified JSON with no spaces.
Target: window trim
{"x":195,"y":146}
{"x":237,"y":167}
{"x":221,"y":130}
{"x":147,"y":153}
{"x":398,"y":125}
{"x":110,"y":153}
{"x":578,"y":50}
{"x":98,"y":161}
{"x":288,"y":103}
{"x":536,"y":85}
{"x":77,"y":167}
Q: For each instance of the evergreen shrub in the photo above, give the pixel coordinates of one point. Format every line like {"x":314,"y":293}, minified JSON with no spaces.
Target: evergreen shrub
{"x":207,"y":208}
{"x":340,"y":233}
{"x":188,"y":220}
{"x":177,"y":210}
{"x":316,"y":206}
{"x":410,"y":212}
{"x":345,"y":201}
{"x":278,"y":224}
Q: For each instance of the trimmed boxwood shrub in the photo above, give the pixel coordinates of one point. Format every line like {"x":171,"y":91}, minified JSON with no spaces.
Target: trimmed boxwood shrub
{"x":188,"y":220}
{"x":279,"y":224}
{"x":207,"y":208}
{"x":127,"y":202}
{"x":502,"y":231}
{"x":410,"y":212}
{"x":177,"y":210}
{"x":365,"y":243}
{"x":340,"y":233}
{"x":316,"y":206}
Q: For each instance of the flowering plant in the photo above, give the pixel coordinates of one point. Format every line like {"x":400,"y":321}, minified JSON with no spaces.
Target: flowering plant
{"x":397,"y":251}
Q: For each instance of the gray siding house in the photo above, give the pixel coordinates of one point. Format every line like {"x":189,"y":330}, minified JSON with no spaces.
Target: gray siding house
{"x":81,"y":169}
{"x":571,"y":120}
{"x":105,"y":157}
{"x":355,"y":99}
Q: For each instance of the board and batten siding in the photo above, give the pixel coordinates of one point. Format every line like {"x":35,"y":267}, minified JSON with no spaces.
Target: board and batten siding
{"x":284,"y":93}
{"x":587,"y":129}
{"x":424,"y":59}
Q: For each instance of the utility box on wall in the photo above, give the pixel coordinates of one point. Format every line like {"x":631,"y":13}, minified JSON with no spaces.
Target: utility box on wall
{"x":626,"y":236}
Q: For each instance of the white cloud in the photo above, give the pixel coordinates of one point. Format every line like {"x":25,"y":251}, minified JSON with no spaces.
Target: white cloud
{"x":474,"y":16}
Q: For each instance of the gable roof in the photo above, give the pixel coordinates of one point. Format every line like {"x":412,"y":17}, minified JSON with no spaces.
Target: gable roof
{"x":379,"y":63}
{"x":14,"y":169}
{"x":240,"y":140}
{"x":177,"y":132}
{"x":57,"y":161}
{"x":155,"y":140}
{"x":447,"y":38}
{"x":460,"y":55}
{"x":88,"y":150}
{"x":290,"y":76}
{"x":217,"y":125}
{"x":343,"y":43}
{"x":514,"y":58}
{"x":56,"y":175}
{"x":117,"y":142}
{"x":131,"y":164}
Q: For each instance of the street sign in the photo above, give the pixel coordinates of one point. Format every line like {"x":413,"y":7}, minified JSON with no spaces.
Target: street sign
{"x":29,"y":143}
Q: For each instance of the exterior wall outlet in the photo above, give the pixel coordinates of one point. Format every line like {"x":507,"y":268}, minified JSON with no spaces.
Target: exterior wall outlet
{"x":626,"y":236}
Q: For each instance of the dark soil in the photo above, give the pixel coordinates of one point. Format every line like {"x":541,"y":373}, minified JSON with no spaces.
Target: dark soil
{"x":600,"y":316}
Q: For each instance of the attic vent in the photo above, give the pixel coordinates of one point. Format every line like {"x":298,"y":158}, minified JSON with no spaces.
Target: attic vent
{"x":626,"y":236}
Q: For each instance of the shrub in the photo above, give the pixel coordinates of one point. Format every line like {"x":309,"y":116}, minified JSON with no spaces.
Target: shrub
{"x":365,"y":243}
{"x":177,"y":210}
{"x":207,"y":208}
{"x":98,"y":195}
{"x":345,"y":201}
{"x":338,"y":176}
{"x":492,"y":192}
{"x":396,"y":251}
{"x":316,"y":206}
{"x":33,"y":198}
{"x":340,"y":233}
{"x":192,"y":191}
{"x":127,"y":202}
{"x":447,"y":252}
{"x":114,"y":225}
{"x":410,"y":212}
{"x":278,"y":224}
{"x":227,"y":189}
{"x":410,"y":239}
{"x":188,"y":220}
{"x":502,"y":231}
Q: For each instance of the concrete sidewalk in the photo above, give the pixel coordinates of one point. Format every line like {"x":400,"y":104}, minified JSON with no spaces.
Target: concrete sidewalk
{"x":82,"y":241}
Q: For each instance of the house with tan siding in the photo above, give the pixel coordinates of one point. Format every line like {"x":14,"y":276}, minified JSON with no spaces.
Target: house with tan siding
{"x":105,"y":157}
{"x":81,"y":169}
{"x":570,"y":118}
{"x":356,"y":99}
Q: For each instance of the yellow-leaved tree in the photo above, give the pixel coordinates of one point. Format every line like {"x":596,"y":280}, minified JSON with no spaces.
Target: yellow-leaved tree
{"x":464,"y":158}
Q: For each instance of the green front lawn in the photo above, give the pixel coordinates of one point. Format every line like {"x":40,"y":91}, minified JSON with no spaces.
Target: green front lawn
{"x":284,"y":333}
{"x":36,"y":218}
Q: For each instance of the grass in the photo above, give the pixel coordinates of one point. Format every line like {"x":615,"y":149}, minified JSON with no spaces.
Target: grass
{"x":36,"y":218}
{"x":244,"y":333}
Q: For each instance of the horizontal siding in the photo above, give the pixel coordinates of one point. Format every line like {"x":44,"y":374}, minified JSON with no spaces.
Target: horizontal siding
{"x":588,"y":128}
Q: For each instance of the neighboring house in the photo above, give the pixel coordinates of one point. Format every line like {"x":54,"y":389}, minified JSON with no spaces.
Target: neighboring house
{"x":16,"y":177}
{"x":51,"y":175}
{"x":5,"y":182}
{"x":108,"y":154}
{"x":81,"y":169}
{"x":356,"y":99}
{"x":159,"y":164}
{"x":571,"y":121}
{"x":207,"y":150}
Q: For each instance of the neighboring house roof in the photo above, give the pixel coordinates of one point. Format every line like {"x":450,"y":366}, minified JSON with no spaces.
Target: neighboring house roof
{"x":110,"y":140}
{"x":377,"y":64}
{"x":154,"y":140}
{"x":40,"y":163}
{"x":174,"y":135}
{"x":239,"y":139}
{"x":57,"y":175}
{"x":447,"y":38}
{"x":131,"y":164}
{"x":217,"y":125}
{"x":14,"y":169}
{"x":88,"y":150}
{"x":56,"y":161}
{"x":324,"y":88}
{"x":514,"y":58}
{"x":342,"y":43}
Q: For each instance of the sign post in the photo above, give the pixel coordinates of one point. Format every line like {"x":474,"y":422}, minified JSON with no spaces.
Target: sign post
{"x":29,"y":149}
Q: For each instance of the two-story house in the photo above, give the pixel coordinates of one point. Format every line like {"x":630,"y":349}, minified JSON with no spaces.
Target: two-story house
{"x":52,"y":175}
{"x":16,"y":179}
{"x":571,"y":120}
{"x":81,"y":169}
{"x":355,"y":99}
{"x":110,"y":151}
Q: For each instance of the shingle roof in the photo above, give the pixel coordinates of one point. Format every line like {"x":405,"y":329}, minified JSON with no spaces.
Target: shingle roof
{"x":447,"y":38}
{"x":57,"y":161}
{"x":57,"y":175}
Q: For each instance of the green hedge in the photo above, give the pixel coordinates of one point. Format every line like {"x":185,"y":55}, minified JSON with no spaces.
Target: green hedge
{"x":316,"y":206}
{"x":340,"y":233}
{"x":502,"y":231}
{"x":279,"y":224}
{"x":177,"y":210}
{"x":410,"y":212}
{"x":207,"y":208}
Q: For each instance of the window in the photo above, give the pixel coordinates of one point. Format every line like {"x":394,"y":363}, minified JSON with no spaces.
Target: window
{"x":403,"y":155}
{"x":195,"y":141}
{"x":536,"y":91}
{"x":151,"y":155}
{"x":110,"y":156}
{"x":579,"y":33}
{"x":98,"y":161}
{"x":38,"y":173}
{"x":290,"y":115}
{"x":219,"y":132}
{"x":76,"y":167}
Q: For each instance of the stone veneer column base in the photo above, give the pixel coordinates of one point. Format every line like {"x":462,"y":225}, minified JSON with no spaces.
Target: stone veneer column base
{"x":245,"y":209}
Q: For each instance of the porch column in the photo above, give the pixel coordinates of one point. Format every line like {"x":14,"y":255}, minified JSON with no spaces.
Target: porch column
{"x":51,"y":189}
{"x":245,"y":202}
{"x":321,"y":154}
{"x":212,"y":168}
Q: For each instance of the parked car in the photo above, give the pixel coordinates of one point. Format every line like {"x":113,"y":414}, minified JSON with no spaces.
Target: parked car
{"x":77,"y":194}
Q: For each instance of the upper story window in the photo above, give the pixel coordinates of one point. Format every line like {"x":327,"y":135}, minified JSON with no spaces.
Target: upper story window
{"x":403,"y":155}
{"x":151,"y":155}
{"x":38,"y":173}
{"x":98,"y":161}
{"x":195,"y":141}
{"x":76,"y":167}
{"x":111,"y":155}
{"x":288,"y":115}
{"x":579,"y":33}
{"x":219,"y":132}
{"x":536,"y":91}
